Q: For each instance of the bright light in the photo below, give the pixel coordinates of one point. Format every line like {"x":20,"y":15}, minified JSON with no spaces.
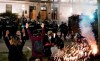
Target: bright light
{"x":71,"y":10}
{"x":94,"y":49}
{"x":91,"y":16}
{"x":63,"y":0}
{"x":23,"y":7}
{"x":52,"y":9}
{"x":73,"y":52}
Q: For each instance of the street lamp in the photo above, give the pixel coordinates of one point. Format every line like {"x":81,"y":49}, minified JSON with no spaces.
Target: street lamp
{"x":23,"y":8}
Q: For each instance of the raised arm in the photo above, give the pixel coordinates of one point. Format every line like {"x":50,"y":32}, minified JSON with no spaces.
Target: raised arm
{"x":6,"y":39}
{"x":29,"y":32}
{"x":23,"y":36}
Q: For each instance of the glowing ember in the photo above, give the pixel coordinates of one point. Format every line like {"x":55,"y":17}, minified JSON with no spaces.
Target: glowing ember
{"x":79,"y":51}
{"x":94,"y":49}
{"x":86,"y":31}
{"x":74,"y":52}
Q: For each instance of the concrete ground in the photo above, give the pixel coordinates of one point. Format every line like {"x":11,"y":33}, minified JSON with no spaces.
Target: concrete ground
{"x":27,"y":51}
{"x":4,"y":50}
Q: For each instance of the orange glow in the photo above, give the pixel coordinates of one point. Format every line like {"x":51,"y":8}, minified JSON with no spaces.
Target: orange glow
{"x":94,"y":49}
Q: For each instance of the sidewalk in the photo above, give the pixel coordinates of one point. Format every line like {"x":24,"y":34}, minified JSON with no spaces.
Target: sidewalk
{"x":3,"y":47}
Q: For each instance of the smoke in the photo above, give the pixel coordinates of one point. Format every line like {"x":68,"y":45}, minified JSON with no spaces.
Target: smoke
{"x":86,"y":31}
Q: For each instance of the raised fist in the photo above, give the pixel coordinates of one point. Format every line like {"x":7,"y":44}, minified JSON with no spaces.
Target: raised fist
{"x":27,"y":25}
{"x":42,"y":25}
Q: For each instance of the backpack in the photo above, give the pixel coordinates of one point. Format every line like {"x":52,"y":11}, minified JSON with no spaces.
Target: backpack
{"x":38,"y":47}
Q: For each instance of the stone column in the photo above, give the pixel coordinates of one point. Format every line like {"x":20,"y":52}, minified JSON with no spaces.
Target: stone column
{"x":49,"y":10}
{"x":98,"y":24}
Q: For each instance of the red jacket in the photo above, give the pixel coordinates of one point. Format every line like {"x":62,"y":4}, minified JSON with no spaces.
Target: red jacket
{"x":36,"y":38}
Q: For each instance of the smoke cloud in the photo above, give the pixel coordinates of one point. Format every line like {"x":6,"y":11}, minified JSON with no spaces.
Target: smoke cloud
{"x":86,"y":31}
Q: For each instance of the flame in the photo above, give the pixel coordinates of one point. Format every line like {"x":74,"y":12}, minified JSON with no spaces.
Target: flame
{"x":74,"y":52}
{"x":86,"y":31}
{"x":94,"y":49}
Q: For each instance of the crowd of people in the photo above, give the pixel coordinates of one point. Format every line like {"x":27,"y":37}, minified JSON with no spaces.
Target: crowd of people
{"x":43,"y":36}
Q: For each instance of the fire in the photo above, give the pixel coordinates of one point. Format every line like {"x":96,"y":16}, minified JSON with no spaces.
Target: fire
{"x":94,"y":49}
{"x":74,"y":52}
{"x":86,"y":31}
{"x":77,"y":51}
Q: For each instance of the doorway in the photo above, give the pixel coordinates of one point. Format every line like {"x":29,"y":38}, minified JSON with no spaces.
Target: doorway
{"x":43,"y":13}
{"x":33,"y":12}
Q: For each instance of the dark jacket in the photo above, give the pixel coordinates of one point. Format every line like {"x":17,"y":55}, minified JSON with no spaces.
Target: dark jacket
{"x":15,"y":52}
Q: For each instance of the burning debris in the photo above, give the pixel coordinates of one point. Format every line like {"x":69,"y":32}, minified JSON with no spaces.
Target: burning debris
{"x":80,"y":51}
{"x":86,"y":31}
{"x":74,"y":52}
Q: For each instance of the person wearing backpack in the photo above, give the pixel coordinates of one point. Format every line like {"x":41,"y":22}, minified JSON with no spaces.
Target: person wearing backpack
{"x":37,"y":43}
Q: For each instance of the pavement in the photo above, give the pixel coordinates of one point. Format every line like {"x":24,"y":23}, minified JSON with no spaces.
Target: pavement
{"x":4,"y":50}
{"x":27,"y":51}
{"x":3,"y":47}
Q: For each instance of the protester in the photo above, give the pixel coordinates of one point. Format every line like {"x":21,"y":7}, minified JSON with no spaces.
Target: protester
{"x":37,"y":43}
{"x":63,"y":30}
{"x":14,"y":46}
{"x":48,"y":40}
{"x":55,"y":27}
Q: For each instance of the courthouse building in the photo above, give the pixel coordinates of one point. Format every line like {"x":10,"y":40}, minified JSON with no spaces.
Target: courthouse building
{"x":31,"y":8}
{"x":51,"y":9}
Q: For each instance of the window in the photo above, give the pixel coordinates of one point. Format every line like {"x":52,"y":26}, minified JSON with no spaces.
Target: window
{"x":32,"y":8}
{"x":43,"y":7}
{"x":8,"y":8}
